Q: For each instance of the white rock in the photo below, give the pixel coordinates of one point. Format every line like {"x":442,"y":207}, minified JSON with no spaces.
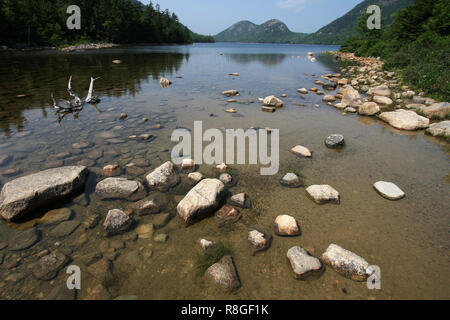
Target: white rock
{"x":322,"y":194}
{"x":405,"y":120}
{"x":302,"y":91}
{"x":286,"y":226}
{"x":388,"y":190}
{"x":350,"y":97}
{"x":369,"y":109}
{"x":346,"y":263}
{"x":302,"y":263}
{"x":239,"y":200}
{"x":383,"y":101}
{"x":221,"y":167}
{"x":26,"y":194}
{"x":163,"y":177}
{"x":116,"y":222}
{"x":201,"y":200}
{"x":187,"y":165}
{"x":382,"y":90}
{"x":440,"y":129}
{"x":195,"y":176}
{"x":120,"y":188}
{"x":302,"y":151}
{"x":273,"y":101}
{"x":290,"y":179}
{"x":226,"y":178}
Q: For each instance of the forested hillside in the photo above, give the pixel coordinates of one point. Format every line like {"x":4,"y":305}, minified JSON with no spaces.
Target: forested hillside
{"x":43,"y":22}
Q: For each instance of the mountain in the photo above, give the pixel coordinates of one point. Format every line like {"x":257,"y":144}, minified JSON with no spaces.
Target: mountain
{"x":272,"y":31}
{"x":275,"y":31}
{"x":344,"y":27}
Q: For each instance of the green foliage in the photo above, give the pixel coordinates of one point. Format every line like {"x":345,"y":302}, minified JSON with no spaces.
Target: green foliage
{"x":417,"y":44}
{"x":43,"y":22}
{"x":209,"y":257}
{"x":201,"y":38}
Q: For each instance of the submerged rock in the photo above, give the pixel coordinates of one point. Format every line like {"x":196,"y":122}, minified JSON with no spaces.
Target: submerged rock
{"x":405,"y":120}
{"x":5,"y":159}
{"x":56,"y":216}
{"x":117,"y":222}
{"x":201,"y":200}
{"x":286,"y":226}
{"x":224,"y":274}
{"x":64,"y":229}
{"x":388,"y":190}
{"x":164,"y":177}
{"x":26,"y":194}
{"x":24,"y":239}
{"x":302,"y":263}
{"x":151,"y":204}
{"x":227,"y":215}
{"x":323,"y":193}
{"x":49,"y":266}
{"x":102,"y":270}
{"x":347,"y":263}
{"x":120,"y":188}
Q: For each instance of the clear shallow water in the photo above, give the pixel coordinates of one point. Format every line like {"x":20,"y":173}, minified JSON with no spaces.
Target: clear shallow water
{"x":408,"y":239}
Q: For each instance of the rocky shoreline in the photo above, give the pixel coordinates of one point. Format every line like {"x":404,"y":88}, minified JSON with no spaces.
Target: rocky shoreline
{"x":79,"y":47}
{"x":385,"y":97}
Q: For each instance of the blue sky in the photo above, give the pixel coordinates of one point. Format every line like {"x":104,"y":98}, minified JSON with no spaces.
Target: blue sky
{"x":213,"y":16}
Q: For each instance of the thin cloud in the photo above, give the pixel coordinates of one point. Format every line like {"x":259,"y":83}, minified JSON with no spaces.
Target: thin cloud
{"x":297,"y":5}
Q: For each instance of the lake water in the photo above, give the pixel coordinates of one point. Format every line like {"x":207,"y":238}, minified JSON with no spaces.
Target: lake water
{"x":408,"y":239}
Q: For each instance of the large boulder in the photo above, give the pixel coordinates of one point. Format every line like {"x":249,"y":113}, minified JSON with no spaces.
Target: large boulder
{"x":26,"y":194}
{"x":350,"y":97}
{"x":164,"y":177}
{"x":201,"y":200}
{"x":120,"y":188}
{"x":440,"y":129}
{"x":347,"y":263}
{"x":405,"y":120}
